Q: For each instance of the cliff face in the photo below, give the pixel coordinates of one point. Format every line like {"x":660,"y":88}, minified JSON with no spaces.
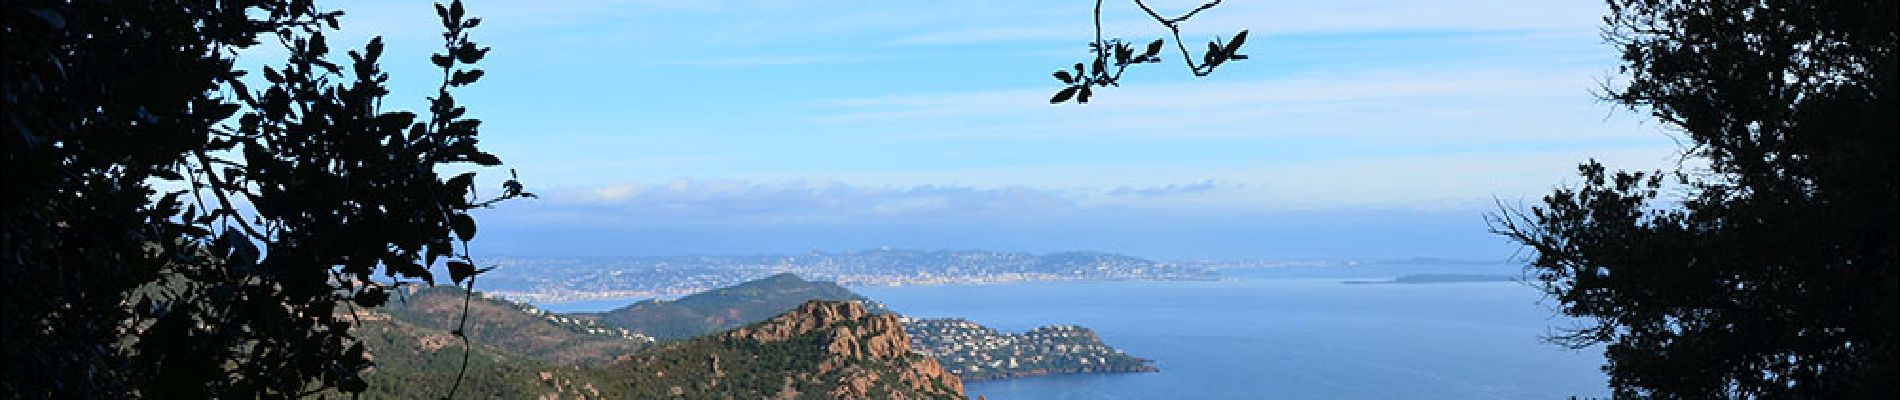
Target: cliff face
{"x":851,"y":336}
{"x":821,"y":349}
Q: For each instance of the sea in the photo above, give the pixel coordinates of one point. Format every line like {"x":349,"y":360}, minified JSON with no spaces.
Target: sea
{"x":1286,"y":333}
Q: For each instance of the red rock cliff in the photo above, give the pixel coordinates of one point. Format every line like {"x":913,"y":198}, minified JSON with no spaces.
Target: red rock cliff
{"x":851,"y":337}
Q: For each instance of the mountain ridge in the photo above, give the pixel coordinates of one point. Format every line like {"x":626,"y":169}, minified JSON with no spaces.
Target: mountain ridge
{"x":723,"y":308}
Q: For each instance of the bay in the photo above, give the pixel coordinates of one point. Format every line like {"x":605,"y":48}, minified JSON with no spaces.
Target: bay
{"x":1287,"y":333}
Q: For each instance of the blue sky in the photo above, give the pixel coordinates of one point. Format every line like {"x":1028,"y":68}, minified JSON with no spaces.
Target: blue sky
{"x":1357,"y":128}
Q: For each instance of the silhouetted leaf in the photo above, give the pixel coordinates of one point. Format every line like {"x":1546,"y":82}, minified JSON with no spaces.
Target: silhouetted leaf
{"x":459,"y":270}
{"x":1063,"y":95}
{"x":465,"y":77}
{"x":371,"y":297}
{"x":460,"y":184}
{"x":463,"y":225}
{"x":484,"y":159}
{"x":374,"y":49}
{"x":167,"y":174}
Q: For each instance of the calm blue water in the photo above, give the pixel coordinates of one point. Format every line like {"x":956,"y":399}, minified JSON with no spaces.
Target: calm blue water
{"x":1287,"y":333}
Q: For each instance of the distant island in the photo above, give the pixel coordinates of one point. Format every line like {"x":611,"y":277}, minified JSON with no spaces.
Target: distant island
{"x":1439,"y":278}
{"x":570,"y":279}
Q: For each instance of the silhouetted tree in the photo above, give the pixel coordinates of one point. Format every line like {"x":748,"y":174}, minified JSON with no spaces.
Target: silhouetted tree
{"x":1113,"y":56}
{"x":170,"y":232}
{"x":1775,"y":275}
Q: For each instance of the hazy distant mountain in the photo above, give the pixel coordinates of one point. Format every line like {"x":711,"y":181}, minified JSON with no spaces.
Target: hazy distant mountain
{"x":724,"y":308}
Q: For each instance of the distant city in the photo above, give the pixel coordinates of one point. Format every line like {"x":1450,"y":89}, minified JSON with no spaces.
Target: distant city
{"x":570,"y":279}
{"x":555,"y":279}
{"x":977,"y":352}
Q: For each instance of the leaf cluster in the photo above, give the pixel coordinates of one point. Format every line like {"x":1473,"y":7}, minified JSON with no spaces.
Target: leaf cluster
{"x":1113,"y":56}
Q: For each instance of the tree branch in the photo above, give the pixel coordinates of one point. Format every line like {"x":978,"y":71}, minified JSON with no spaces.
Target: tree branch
{"x":1117,"y":55}
{"x":217,"y":189}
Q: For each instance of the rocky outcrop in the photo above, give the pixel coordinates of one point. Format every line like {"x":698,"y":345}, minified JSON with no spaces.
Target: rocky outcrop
{"x":808,"y":317}
{"x":819,"y":349}
{"x":852,"y":337}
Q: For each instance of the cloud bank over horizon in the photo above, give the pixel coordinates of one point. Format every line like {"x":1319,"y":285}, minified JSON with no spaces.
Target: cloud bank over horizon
{"x":1191,"y":220}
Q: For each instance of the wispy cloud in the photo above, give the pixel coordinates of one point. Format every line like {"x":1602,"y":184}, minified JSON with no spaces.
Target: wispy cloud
{"x":761,"y":61}
{"x":1461,"y":104}
{"x":1266,"y":18}
{"x":1469,"y":181}
{"x":1168,"y":190}
{"x":788,"y":202}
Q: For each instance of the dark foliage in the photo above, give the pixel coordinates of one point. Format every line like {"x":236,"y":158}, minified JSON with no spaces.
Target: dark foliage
{"x":1775,"y":276}
{"x":1113,"y":56}
{"x":170,"y":232}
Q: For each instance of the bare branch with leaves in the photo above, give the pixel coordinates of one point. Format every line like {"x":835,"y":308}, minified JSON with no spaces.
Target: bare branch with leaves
{"x":1113,"y":55}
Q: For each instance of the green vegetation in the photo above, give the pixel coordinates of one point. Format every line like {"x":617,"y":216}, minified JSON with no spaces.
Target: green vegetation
{"x":417,"y":362}
{"x":1773,"y":270}
{"x":819,"y":351}
{"x":516,"y":329}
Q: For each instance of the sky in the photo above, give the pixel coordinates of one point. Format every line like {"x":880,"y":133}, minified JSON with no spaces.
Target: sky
{"x":1370,"y":129}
